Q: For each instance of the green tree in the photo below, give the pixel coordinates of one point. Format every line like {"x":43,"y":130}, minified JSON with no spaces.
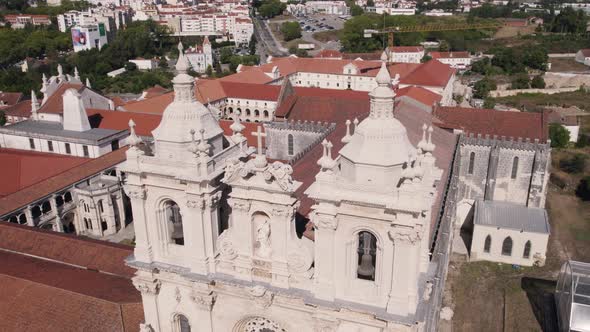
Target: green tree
{"x":130,"y":66}
{"x":535,"y":58}
{"x":271,"y":8}
{"x":252,"y":45}
{"x":444,"y":46}
{"x":290,"y":30}
{"x":520,"y":81}
{"x":370,"y":3}
{"x":559,"y":136}
{"x":2,"y":118}
{"x":583,"y":189}
{"x":538,"y":82}
{"x":489,"y":103}
{"x":483,"y":88}
{"x":225,"y":54}
{"x":209,"y":71}
{"x":356,"y":10}
{"x":569,"y":20}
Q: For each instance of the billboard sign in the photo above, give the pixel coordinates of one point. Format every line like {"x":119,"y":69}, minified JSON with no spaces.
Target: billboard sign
{"x":78,"y":37}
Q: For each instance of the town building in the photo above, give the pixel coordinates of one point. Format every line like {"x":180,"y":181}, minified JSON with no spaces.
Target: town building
{"x":145,"y":64}
{"x":19,"y":21}
{"x":458,"y":60}
{"x":319,"y":7}
{"x":406,"y":54}
{"x":113,"y":19}
{"x":87,"y":37}
{"x":583,"y":56}
{"x":201,"y":56}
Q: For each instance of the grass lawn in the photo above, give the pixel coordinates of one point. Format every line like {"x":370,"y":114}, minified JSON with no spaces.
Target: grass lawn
{"x":326,"y":36}
{"x":536,"y":101}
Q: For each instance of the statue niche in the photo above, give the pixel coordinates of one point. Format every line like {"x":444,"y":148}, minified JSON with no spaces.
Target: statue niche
{"x":261,"y":228}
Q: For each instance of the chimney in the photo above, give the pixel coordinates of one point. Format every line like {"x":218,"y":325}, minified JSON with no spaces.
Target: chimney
{"x":74,"y":114}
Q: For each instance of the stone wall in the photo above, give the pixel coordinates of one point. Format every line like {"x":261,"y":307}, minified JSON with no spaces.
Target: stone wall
{"x":503,"y":170}
{"x":305,"y":135}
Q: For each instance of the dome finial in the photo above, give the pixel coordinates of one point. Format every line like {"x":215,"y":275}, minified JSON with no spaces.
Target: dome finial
{"x":182,"y":65}
{"x":383,"y":78}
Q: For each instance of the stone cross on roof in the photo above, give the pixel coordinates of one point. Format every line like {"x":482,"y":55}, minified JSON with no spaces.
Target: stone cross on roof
{"x":260,"y":160}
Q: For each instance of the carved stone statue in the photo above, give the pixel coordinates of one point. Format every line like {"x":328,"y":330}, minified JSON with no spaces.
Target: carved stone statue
{"x":263,"y":239}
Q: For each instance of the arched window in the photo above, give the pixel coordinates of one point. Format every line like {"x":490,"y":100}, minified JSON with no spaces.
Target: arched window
{"x":88,"y":223}
{"x":527,"y":250}
{"x":100,"y":207}
{"x":265,"y":113}
{"x":290,"y":144}
{"x":367,"y":256}
{"x":247,"y":112}
{"x":173,"y":220}
{"x":514,"y":168}
{"x":507,"y":247}
{"x":181,"y":324}
{"x":68,"y":197}
{"x":256,"y":112}
{"x":471,"y":162}
{"x":46,"y":207}
{"x":487,"y":244}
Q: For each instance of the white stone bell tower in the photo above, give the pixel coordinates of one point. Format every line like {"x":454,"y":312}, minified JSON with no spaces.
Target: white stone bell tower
{"x":175,"y":191}
{"x":373,"y":212}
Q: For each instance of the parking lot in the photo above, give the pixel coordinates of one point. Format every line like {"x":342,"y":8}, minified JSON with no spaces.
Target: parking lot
{"x":316,"y":23}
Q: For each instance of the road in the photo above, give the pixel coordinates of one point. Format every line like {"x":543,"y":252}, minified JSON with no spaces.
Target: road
{"x":266,"y":41}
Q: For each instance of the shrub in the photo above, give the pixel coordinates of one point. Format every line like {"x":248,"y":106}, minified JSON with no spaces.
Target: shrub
{"x":573,"y":164}
{"x":538,"y":82}
{"x":583,"y":189}
{"x":559,"y":135}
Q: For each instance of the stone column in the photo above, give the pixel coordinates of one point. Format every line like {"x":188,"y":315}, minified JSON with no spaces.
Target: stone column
{"x":324,"y":256}
{"x":59,"y":227}
{"x":29,"y":215}
{"x":281,"y":221}
{"x":404,"y":293}
{"x":149,"y":289}
{"x":241,"y":222}
{"x":143,"y":247}
{"x":197,"y":233}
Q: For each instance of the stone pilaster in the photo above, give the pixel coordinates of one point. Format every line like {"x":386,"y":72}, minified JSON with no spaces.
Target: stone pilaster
{"x":149,"y":288}
{"x":403,"y":292}
{"x":324,"y":255}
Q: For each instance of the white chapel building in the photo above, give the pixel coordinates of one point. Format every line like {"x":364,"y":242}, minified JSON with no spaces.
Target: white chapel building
{"x":216,"y":242}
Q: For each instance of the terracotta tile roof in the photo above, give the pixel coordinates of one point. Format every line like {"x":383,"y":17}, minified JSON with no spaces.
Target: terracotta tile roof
{"x":375,"y":56}
{"x":144,"y":123}
{"x":251,"y":91}
{"x":69,"y":249}
{"x":491,"y":122}
{"x":60,"y":181}
{"x":419,"y":94}
{"x":54,"y":103}
{"x":449,"y":55}
{"x":155,"y":105}
{"x":585,"y":52}
{"x":431,"y":73}
{"x":37,"y":307}
{"x":118,"y":101}
{"x":254,"y":75}
{"x":154,"y":91}
{"x":20,"y":169}
{"x":406,"y":49}
{"x":10,"y":98}
{"x":330,"y":54}
{"x":21,"y":109}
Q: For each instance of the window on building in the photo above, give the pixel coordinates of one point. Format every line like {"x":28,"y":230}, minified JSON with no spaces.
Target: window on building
{"x":507,"y":247}
{"x":290,"y":147}
{"x":367,"y":256}
{"x":50,"y":145}
{"x":68,"y":149}
{"x":471,"y":162}
{"x":181,"y":324}
{"x":514,"y":168}
{"x":100,"y":206}
{"x":85,"y":150}
{"x":32,"y":143}
{"x":173,"y":220}
{"x":487,"y":244}
{"x":115,"y":145}
{"x":527,"y":250}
